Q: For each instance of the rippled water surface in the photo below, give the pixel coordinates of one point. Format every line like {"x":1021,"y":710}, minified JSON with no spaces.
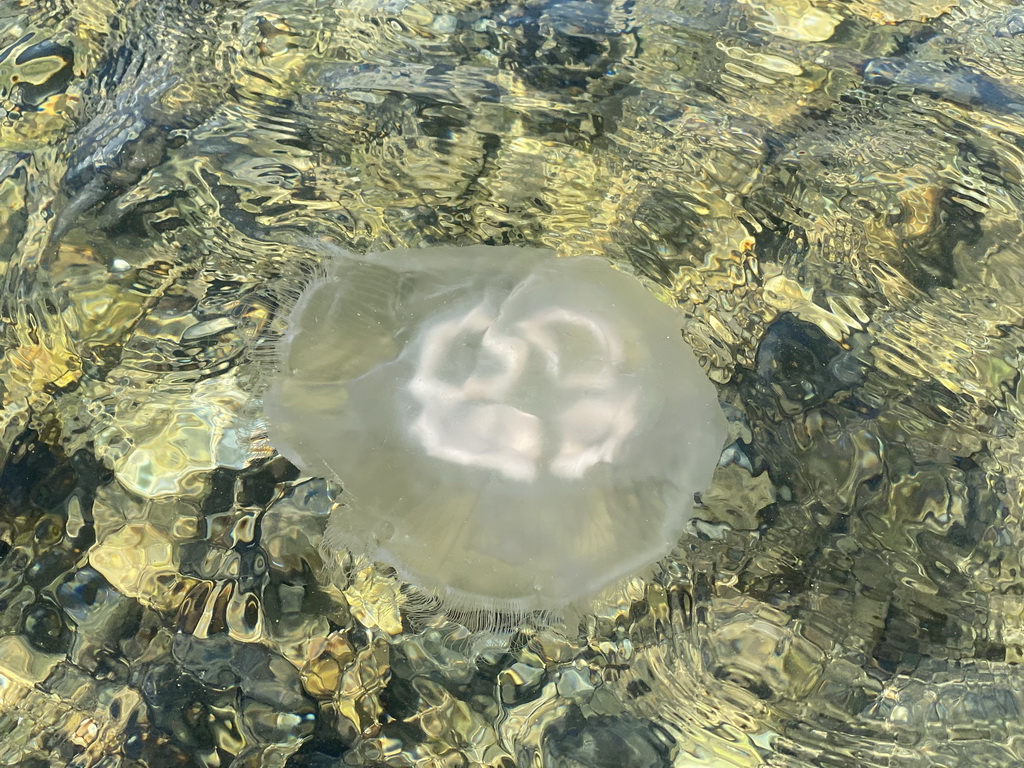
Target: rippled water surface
{"x":833,"y":192}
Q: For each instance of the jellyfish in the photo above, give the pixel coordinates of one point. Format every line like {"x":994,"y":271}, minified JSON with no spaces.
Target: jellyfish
{"x":514,"y":433}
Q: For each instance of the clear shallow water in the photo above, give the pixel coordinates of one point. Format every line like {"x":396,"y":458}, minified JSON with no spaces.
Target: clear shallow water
{"x":833,"y":194}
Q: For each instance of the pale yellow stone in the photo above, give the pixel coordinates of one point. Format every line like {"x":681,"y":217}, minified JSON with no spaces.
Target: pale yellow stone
{"x":86,"y":732}
{"x":796,"y":20}
{"x":20,"y":664}
{"x":787,"y":295}
{"x":374,"y":601}
{"x":768,"y":62}
{"x":139,"y":561}
{"x":178,"y":437}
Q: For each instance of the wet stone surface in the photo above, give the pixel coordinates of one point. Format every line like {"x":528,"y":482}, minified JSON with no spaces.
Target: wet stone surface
{"x":831,"y":195}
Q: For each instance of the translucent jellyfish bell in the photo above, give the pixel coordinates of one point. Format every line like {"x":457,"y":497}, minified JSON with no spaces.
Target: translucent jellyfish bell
{"x":514,"y":432}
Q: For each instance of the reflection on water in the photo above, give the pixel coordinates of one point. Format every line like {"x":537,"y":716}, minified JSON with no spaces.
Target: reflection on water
{"x":832,"y":192}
